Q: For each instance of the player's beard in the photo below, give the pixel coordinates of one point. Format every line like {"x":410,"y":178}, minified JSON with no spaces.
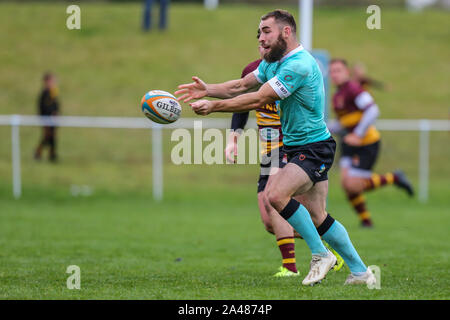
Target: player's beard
{"x":277,"y":50}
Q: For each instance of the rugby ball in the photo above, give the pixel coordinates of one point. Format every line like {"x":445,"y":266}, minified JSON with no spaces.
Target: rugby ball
{"x":160,"y":106}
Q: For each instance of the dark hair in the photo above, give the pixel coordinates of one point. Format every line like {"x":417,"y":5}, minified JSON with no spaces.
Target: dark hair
{"x":282,"y":16}
{"x":339,"y":60}
{"x":47,"y":76}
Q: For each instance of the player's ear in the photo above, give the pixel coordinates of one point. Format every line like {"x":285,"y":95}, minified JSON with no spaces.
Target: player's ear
{"x":286,"y":32}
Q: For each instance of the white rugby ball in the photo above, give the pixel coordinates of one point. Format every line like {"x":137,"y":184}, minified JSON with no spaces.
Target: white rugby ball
{"x":160,"y":106}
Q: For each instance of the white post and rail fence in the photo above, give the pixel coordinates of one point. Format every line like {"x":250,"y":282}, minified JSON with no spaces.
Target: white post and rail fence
{"x":423,"y":126}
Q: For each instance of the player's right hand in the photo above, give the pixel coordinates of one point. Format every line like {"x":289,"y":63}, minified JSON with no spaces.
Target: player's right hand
{"x":194,"y":90}
{"x":230,"y":152}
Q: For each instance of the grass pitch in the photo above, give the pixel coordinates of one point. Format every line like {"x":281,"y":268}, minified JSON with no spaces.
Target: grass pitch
{"x":205,"y":240}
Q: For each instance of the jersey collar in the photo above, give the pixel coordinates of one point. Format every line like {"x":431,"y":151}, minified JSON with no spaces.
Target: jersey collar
{"x":292,"y":52}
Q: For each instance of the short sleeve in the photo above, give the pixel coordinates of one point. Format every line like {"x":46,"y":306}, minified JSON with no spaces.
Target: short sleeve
{"x":259,"y":73}
{"x":364,"y":100}
{"x":287,"y":80}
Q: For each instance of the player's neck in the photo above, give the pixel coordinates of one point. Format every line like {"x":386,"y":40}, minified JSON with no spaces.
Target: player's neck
{"x":290,"y":47}
{"x":343,"y":83}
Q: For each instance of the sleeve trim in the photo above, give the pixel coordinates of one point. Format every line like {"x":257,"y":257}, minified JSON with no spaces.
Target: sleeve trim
{"x":364,"y":100}
{"x":256,"y":74}
{"x":279,"y":88}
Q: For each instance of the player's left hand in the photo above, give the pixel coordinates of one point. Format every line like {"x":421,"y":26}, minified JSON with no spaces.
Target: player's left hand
{"x":202,"y":107}
{"x":353,"y":140}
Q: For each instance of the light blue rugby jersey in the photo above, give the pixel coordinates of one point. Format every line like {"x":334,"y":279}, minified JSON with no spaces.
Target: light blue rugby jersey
{"x":297,"y":80}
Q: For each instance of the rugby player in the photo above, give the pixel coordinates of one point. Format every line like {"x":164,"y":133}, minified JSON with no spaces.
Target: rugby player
{"x":356,"y":112}
{"x":272,"y":158}
{"x":269,"y":128}
{"x":290,"y":74}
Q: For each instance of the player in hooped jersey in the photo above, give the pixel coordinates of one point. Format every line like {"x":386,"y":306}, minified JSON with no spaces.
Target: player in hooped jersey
{"x":291,"y":75}
{"x":356,"y":112}
{"x":270,"y":136}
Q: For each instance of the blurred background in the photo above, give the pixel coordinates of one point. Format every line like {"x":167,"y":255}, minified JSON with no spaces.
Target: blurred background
{"x":100,"y":188}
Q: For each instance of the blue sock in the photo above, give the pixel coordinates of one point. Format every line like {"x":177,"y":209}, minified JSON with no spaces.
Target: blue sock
{"x":337,"y":237}
{"x":299,"y":218}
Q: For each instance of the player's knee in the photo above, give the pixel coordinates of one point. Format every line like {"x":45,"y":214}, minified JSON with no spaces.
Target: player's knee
{"x":265,"y":212}
{"x":351,"y":186}
{"x":276,"y":199}
{"x":347,"y":186}
{"x":318,"y":216}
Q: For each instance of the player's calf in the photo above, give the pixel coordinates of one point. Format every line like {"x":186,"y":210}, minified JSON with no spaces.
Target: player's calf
{"x":397,"y":178}
{"x":284,"y":233}
{"x":337,"y":237}
{"x":287,"y":250}
{"x":358,"y":202}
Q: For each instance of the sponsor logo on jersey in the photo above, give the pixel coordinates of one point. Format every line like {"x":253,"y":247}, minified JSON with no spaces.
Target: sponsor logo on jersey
{"x":270,"y":108}
{"x":322,"y":168}
{"x":281,"y":87}
{"x":289,"y":78}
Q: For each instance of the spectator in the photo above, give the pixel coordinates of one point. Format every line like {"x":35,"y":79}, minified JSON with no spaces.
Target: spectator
{"x":48,"y":106}
{"x":163,"y":5}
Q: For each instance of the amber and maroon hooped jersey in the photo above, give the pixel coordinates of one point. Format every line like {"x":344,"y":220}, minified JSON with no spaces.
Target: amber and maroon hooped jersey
{"x":345,"y":105}
{"x":267,"y":119}
{"x":266,"y":115}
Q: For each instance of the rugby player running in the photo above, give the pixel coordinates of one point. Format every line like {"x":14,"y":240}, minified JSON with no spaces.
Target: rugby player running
{"x":356,"y":112}
{"x":290,"y":74}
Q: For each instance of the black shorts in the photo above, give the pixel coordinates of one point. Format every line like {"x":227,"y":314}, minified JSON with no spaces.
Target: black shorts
{"x":363,"y":157}
{"x":266,"y":163}
{"x":314,"y":158}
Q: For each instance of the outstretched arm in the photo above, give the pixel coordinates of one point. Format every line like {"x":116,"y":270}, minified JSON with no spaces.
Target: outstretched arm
{"x":241,"y":103}
{"x":233,"y":88}
{"x":199,"y":89}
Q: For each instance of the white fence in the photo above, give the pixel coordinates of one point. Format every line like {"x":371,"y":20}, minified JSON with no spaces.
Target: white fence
{"x":15,"y":121}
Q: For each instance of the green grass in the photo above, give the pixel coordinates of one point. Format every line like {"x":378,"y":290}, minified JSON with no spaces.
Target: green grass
{"x":205,"y":240}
